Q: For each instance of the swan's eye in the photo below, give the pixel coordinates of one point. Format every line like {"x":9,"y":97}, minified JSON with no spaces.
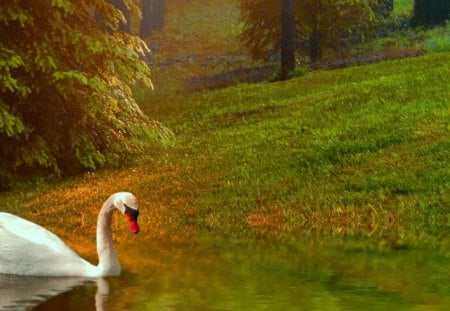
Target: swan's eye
{"x":132,"y":212}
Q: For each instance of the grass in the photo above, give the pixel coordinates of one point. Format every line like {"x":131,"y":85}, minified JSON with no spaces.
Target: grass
{"x":359,"y":153}
{"x":403,"y":7}
{"x":438,"y":39}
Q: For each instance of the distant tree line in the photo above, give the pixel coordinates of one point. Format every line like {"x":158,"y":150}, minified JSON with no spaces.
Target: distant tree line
{"x":321,"y":28}
{"x":313,"y":28}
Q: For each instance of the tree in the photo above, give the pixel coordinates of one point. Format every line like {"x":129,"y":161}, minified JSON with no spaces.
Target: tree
{"x":430,"y":13}
{"x":287,"y":37}
{"x":65,"y":87}
{"x":153,"y":13}
{"x":324,"y":28}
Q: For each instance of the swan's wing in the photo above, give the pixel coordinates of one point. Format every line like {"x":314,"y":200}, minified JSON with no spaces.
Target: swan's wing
{"x":28,"y":249}
{"x":31,"y":232}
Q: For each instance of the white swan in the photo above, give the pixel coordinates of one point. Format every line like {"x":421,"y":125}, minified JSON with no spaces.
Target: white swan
{"x":29,"y":249}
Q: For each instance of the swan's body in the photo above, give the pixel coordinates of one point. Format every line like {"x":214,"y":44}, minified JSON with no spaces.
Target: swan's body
{"x":29,"y":249}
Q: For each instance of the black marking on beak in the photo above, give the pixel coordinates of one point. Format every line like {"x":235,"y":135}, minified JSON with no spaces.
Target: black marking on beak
{"x":131,"y":211}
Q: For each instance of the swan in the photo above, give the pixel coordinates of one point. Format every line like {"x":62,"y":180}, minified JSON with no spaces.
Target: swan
{"x":29,"y":249}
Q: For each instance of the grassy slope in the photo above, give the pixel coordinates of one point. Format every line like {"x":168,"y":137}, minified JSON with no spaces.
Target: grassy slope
{"x":403,"y":7}
{"x":360,"y":153}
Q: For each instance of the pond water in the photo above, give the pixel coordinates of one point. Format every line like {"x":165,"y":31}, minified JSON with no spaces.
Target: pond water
{"x":256,"y":276}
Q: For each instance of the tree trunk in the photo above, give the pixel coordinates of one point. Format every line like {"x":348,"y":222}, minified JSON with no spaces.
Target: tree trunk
{"x":153,"y":12}
{"x":430,"y":13}
{"x":314,"y":48}
{"x":287,"y":38}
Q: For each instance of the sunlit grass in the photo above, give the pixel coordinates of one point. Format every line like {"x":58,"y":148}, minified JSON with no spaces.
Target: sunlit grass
{"x":355,"y":153}
{"x":438,"y":39}
{"x":403,"y":7}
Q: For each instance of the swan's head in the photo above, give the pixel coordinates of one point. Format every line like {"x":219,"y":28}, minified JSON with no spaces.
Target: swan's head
{"x":126,"y":203}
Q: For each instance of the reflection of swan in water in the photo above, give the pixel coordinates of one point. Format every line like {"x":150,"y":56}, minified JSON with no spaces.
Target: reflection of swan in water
{"x":25,"y":292}
{"x":102,"y":294}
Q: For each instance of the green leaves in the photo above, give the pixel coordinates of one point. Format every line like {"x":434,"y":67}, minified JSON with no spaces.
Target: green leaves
{"x":9,"y":60}
{"x":66,"y":73}
{"x":12,"y":13}
{"x":65,"y":5}
{"x":73,"y":76}
{"x":9,"y":125}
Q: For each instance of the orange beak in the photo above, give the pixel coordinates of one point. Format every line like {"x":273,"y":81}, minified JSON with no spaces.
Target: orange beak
{"x":132,"y":224}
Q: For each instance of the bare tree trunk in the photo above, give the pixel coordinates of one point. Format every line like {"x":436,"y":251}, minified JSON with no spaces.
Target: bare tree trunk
{"x":287,"y":37}
{"x":314,"y":47}
{"x":430,"y":13}
{"x":153,"y":12}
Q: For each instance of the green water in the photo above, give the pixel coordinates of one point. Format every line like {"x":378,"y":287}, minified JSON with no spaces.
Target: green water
{"x":226,"y":276}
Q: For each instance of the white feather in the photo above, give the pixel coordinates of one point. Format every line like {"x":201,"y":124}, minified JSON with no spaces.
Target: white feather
{"x":29,"y":249}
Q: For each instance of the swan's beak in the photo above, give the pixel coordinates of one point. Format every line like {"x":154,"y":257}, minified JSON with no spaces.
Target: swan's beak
{"x":133,"y":224}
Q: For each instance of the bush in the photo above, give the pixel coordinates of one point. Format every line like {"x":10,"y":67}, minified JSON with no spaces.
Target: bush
{"x":66,"y":73}
{"x":439,"y":40}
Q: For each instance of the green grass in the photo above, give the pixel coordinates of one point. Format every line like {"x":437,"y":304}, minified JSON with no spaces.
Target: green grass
{"x":360,"y":153}
{"x":403,"y":7}
{"x":333,"y":146}
{"x":429,"y":41}
{"x":438,"y":39}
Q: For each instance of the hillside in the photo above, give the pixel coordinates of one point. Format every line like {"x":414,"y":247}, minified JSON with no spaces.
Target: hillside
{"x":343,"y":151}
{"x":360,"y":153}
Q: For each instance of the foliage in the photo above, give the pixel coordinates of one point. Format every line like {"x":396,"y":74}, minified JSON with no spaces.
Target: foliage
{"x":429,"y":40}
{"x":403,"y":7}
{"x":323,"y":27}
{"x":438,"y":39}
{"x":65,"y":93}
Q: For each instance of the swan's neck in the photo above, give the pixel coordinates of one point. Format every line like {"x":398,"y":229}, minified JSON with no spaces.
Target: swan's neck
{"x":108,"y":262}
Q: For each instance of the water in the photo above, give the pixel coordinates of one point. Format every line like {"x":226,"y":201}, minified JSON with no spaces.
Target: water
{"x":226,"y":276}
